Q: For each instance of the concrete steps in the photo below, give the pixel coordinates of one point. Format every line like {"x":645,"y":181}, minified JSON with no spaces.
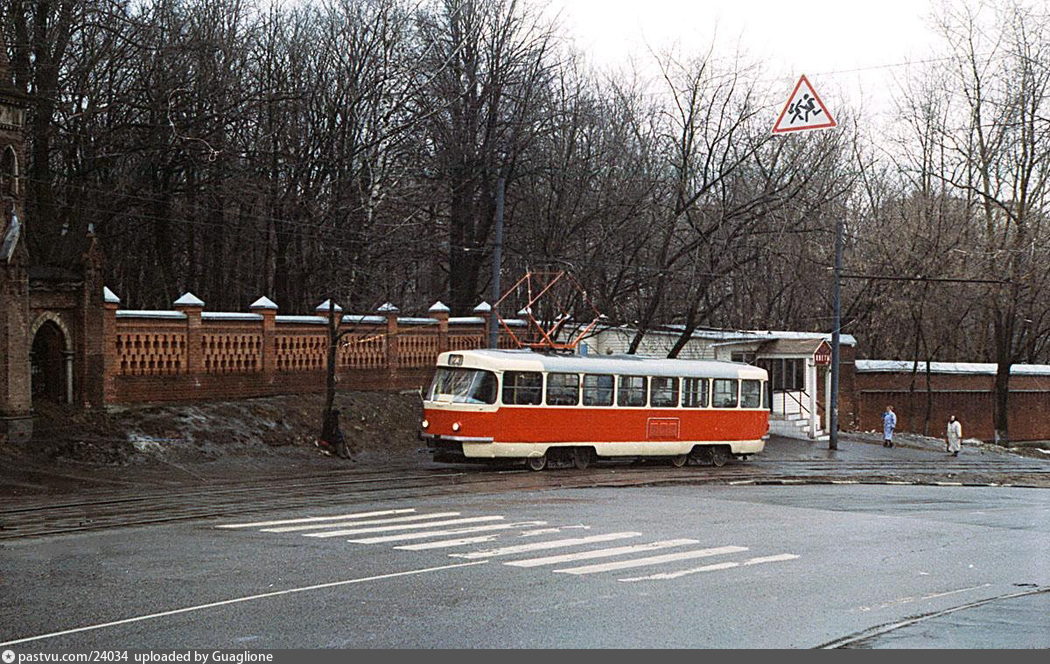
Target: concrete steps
{"x":794,"y":425}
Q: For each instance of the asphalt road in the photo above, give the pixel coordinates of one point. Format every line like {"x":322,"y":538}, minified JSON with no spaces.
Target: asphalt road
{"x":644,"y":567}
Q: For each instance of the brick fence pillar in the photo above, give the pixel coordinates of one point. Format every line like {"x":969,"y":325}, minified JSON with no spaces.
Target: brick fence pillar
{"x":110,"y":360}
{"x":266,"y":308}
{"x":439,"y":311}
{"x":392,"y":356}
{"x":485,"y":311}
{"x":192,"y":306}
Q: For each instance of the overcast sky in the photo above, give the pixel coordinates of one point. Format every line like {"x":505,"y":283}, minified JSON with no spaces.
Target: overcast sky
{"x":826,"y":41}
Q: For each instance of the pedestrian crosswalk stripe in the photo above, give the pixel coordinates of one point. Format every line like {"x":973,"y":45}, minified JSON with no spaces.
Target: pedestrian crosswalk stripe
{"x":540,"y":531}
{"x":770,"y":559}
{"x":651,"y":560}
{"x":369,"y":522}
{"x":665,"y":576}
{"x":405,"y":526}
{"x":383,"y":539}
{"x":675,"y":575}
{"x":314,"y":519}
{"x":600,"y":553}
{"x":550,"y":544}
{"x":446,"y":544}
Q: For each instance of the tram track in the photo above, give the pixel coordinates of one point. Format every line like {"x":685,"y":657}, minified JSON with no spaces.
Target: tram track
{"x":34,"y":517}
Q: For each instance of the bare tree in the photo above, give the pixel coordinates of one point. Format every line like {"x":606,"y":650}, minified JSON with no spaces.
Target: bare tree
{"x":1002,"y":140}
{"x":491,"y":59}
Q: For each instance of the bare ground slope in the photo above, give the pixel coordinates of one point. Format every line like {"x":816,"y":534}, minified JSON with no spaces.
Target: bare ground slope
{"x":209,"y":441}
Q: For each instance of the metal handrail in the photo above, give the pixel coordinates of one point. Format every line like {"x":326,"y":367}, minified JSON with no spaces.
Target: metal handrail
{"x":802,"y":410}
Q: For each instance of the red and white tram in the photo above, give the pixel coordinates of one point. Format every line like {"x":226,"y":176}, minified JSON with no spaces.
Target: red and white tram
{"x":520,"y":404}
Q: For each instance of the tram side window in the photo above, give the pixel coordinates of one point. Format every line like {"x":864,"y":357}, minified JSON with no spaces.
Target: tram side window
{"x":522,"y":388}
{"x":724,"y":393}
{"x":563,"y":389}
{"x":598,"y":390}
{"x":750,"y":394}
{"x":694,"y":393}
{"x":632,"y":391}
{"x":663,"y":392}
{"x":765,"y":394}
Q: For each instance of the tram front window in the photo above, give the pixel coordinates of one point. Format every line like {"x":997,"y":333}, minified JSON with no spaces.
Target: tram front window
{"x":463,"y":386}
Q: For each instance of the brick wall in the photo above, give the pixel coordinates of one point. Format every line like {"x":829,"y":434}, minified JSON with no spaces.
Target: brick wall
{"x":925,"y":408}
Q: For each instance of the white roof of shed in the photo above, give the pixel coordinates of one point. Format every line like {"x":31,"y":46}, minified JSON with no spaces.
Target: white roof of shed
{"x":772,"y":335}
{"x":971,"y":368}
{"x":748,"y":336}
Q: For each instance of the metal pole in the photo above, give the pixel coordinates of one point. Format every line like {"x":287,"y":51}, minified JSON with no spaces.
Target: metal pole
{"x":497,"y":260}
{"x":833,"y":434}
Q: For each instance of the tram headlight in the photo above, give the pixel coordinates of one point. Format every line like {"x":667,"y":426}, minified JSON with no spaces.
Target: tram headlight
{"x":456,"y":426}
{"x":426,"y":424}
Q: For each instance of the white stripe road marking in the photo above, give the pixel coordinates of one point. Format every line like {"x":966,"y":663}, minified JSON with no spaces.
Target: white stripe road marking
{"x":711,"y":568}
{"x":540,"y":531}
{"x":443,"y":533}
{"x":652,"y":560}
{"x":600,"y":553}
{"x":369,"y":522}
{"x":406,"y":526}
{"x":537,"y":546}
{"x":238,"y":600}
{"x":445,"y":544}
{"x":312,"y":519}
{"x":547,"y":531}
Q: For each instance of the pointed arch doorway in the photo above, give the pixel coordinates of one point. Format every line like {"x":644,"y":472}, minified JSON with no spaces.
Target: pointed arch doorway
{"x":52,"y":363}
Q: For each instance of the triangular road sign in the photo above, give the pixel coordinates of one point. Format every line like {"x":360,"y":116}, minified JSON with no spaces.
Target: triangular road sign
{"x":803,"y":110}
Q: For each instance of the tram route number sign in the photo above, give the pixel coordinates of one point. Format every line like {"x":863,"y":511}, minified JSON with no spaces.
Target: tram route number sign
{"x":804,"y":110}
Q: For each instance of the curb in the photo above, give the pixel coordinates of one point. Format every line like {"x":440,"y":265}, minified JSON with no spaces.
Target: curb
{"x":797,"y":482}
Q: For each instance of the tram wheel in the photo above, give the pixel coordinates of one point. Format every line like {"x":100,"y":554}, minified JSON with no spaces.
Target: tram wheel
{"x":581,"y":457}
{"x":536,"y":462}
{"x":680,"y":460}
{"x":720,"y":455}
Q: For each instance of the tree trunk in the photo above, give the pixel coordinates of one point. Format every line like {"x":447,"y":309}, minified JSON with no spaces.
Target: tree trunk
{"x":1002,"y":401}
{"x":333,"y":344}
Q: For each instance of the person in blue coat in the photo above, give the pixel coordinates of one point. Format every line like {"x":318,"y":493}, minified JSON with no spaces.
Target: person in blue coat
{"x":889,"y":423}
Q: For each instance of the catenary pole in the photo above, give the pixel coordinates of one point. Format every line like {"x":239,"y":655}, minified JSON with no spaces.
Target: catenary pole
{"x":836,"y":333}
{"x":497,"y":260}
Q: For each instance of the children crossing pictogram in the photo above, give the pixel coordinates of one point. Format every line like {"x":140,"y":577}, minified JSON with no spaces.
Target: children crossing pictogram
{"x":803,"y":110}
